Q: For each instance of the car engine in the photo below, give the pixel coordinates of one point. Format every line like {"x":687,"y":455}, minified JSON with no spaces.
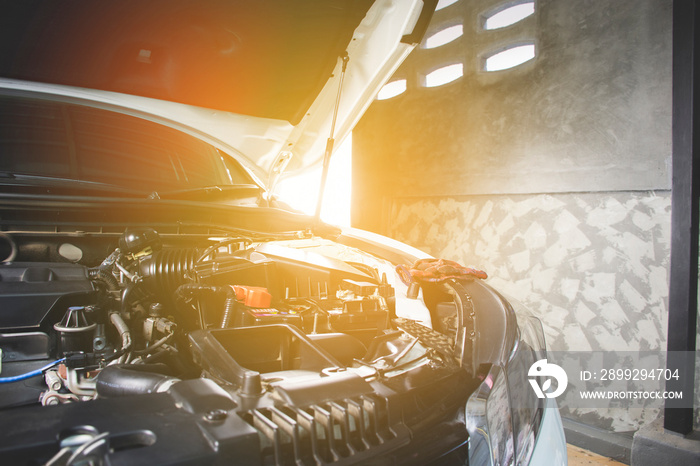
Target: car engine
{"x":300,"y":336}
{"x":136,"y":306}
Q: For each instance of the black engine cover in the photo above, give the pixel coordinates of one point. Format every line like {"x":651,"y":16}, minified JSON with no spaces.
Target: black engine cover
{"x":30,"y":291}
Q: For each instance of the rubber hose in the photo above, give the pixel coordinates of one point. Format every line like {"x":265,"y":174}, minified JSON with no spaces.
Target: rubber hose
{"x":122,"y":328}
{"x":123,"y":380}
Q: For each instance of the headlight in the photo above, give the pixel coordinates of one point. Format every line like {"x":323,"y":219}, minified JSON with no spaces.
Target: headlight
{"x":504,"y":415}
{"x":526,"y":408}
{"x":489,"y":421}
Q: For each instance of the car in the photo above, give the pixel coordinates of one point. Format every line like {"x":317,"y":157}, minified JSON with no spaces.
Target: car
{"x":159,"y":304}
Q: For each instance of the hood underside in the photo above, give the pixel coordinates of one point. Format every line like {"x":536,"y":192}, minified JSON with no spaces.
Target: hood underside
{"x":275,"y":62}
{"x":263,"y":58}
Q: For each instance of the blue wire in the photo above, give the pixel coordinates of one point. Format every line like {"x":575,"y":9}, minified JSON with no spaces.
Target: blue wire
{"x":31,"y":374}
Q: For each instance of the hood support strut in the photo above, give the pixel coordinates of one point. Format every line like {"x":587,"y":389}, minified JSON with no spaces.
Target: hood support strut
{"x":330,"y":142}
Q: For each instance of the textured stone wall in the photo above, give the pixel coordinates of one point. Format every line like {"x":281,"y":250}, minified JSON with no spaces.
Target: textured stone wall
{"x":592,"y":266}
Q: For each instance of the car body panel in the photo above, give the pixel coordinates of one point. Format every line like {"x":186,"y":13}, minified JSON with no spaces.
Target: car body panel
{"x":551,"y":442}
{"x":209,"y":55}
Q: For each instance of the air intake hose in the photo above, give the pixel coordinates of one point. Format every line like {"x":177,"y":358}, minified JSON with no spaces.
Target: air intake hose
{"x":133,"y":379}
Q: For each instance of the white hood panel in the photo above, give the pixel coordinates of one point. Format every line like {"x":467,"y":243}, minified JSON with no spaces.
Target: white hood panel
{"x":154,"y":81}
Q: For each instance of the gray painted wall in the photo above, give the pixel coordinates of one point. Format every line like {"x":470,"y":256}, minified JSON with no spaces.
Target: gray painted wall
{"x":553,"y":176}
{"x":590,"y":113}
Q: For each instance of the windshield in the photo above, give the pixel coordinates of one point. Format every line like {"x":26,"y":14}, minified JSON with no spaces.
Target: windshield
{"x":70,"y":142}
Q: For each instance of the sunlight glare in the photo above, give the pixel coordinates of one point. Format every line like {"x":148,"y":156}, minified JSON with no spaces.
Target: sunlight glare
{"x":301,"y":192}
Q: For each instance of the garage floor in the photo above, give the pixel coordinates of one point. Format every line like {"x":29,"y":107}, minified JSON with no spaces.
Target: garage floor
{"x":580,"y":457}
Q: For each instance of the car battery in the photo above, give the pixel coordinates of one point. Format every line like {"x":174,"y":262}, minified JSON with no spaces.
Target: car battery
{"x":249,"y":317}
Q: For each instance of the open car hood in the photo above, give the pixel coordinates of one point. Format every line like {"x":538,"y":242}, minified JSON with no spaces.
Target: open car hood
{"x":262,"y":76}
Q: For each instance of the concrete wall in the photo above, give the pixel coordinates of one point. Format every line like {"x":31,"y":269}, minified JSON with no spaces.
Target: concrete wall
{"x":590,"y":113}
{"x":592,"y":266}
{"x":553,"y":176}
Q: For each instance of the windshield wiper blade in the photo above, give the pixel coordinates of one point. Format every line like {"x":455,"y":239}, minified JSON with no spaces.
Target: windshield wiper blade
{"x":225,"y":190}
{"x":45,"y":181}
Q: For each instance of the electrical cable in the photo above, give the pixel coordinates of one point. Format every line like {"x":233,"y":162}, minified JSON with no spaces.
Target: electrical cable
{"x":28,"y":375}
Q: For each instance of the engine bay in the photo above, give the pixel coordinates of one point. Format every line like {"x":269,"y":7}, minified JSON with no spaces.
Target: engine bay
{"x":306,"y":325}
{"x":137,"y":305}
